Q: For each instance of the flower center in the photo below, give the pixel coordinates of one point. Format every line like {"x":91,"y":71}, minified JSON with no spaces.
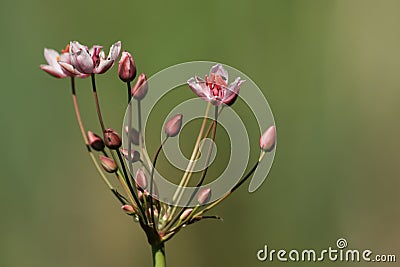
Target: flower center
{"x":216,"y":85}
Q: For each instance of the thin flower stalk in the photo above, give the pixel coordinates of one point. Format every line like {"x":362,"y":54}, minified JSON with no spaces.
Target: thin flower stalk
{"x":204,"y":172}
{"x":85,"y":139}
{"x":189,"y":170}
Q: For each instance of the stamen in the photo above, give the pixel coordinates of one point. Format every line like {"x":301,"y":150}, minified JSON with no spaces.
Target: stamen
{"x":216,"y":84}
{"x":66,"y":50}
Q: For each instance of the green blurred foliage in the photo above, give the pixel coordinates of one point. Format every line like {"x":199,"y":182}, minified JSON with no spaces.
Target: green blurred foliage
{"x":328,"y":68}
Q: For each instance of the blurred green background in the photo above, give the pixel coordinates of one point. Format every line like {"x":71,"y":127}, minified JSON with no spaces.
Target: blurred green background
{"x":330,"y":71}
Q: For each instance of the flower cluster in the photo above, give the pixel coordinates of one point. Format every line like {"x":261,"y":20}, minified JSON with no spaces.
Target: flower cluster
{"x":160,"y":221}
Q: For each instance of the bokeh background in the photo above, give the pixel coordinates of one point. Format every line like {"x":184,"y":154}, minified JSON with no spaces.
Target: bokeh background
{"x":330,"y":71}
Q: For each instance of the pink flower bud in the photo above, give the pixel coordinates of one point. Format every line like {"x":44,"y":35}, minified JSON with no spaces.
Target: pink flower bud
{"x":185,"y":214}
{"x":135,"y":155}
{"x":95,"y":141}
{"x":165,"y":217}
{"x":204,"y":196}
{"x":126,"y":67}
{"x":112,"y":139}
{"x":141,"y":180}
{"x":108,"y":164}
{"x":268,"y":139}
{"x":155,"y":212}
{"x":140,"y":88}
{"x":140,"y":195}
{"x":128,"y":209}
{"x":134,"y":134}
{"x":173,"y":125}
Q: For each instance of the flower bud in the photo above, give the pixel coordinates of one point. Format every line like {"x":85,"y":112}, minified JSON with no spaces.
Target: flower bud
{"x":134,"y":135}
{"x":128,"y":209}
{"x":108,"y":164}
{"x":140,"y":88}
{"x":140,"y":195}
{"x":135,"y":155}
{"x":95,"y":141}
{"x":112,"y":139}
{"x":185,"y":214}
{"x":140,"y":179}
{"x":268,"y":139}
{"x":155,"y":212}
{"x":126,"y":67}
{"x":173,"y":125}
{"x":204,"y":196}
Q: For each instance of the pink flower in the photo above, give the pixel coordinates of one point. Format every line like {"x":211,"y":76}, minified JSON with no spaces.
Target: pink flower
{"x":93,"y":60}
{"x":59,"y":66}
{"x":214,"y":88}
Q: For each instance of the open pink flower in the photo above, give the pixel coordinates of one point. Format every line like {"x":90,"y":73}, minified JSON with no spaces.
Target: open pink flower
{"x":93,"y":60}
{"x":59,"y":65}
{"x":214,"y":88}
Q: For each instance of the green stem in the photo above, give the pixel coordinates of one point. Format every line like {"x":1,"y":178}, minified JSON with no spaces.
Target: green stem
{"x":85,"y":139}
{"x":158,"y":255}
{"x":96,"y":100}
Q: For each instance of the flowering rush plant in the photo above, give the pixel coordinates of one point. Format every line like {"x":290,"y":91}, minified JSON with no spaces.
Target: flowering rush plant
{"x":132,"y":167}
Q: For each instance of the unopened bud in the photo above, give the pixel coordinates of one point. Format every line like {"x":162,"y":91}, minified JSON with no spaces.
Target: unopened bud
{"x":268,"y":138}
{"x":204,"y":196}
{"x":134,"y":135}
{"x":141,"y":179}
{"x":155,"y":212}
{"x":140,"y":195}
{"x":140,"y":88}
{"x":173,"y":125}
{"x":185,"y":214}
{"x":126,"y":67}
{"x":112,"y":139}
{"x":165,"y":217}
{"x":128,"y":209}
{"x":108,"y":164}
{"x":135,"y":155}
{"x":95,"y":141}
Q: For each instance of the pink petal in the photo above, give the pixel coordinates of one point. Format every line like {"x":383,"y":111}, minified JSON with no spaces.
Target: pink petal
{"x":84,"y":62}
{"x":219,"y":70}
{"x":80,"y":58}
{"x":114,"y":51}
{"x":232,"y":92}
{"x":68,"y":69}
{"x":51,"y":56}
{"x":199,"y":87}
{"x":53,"y":71}
{"x":104,"y":65}
{"x":65,"y":57}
